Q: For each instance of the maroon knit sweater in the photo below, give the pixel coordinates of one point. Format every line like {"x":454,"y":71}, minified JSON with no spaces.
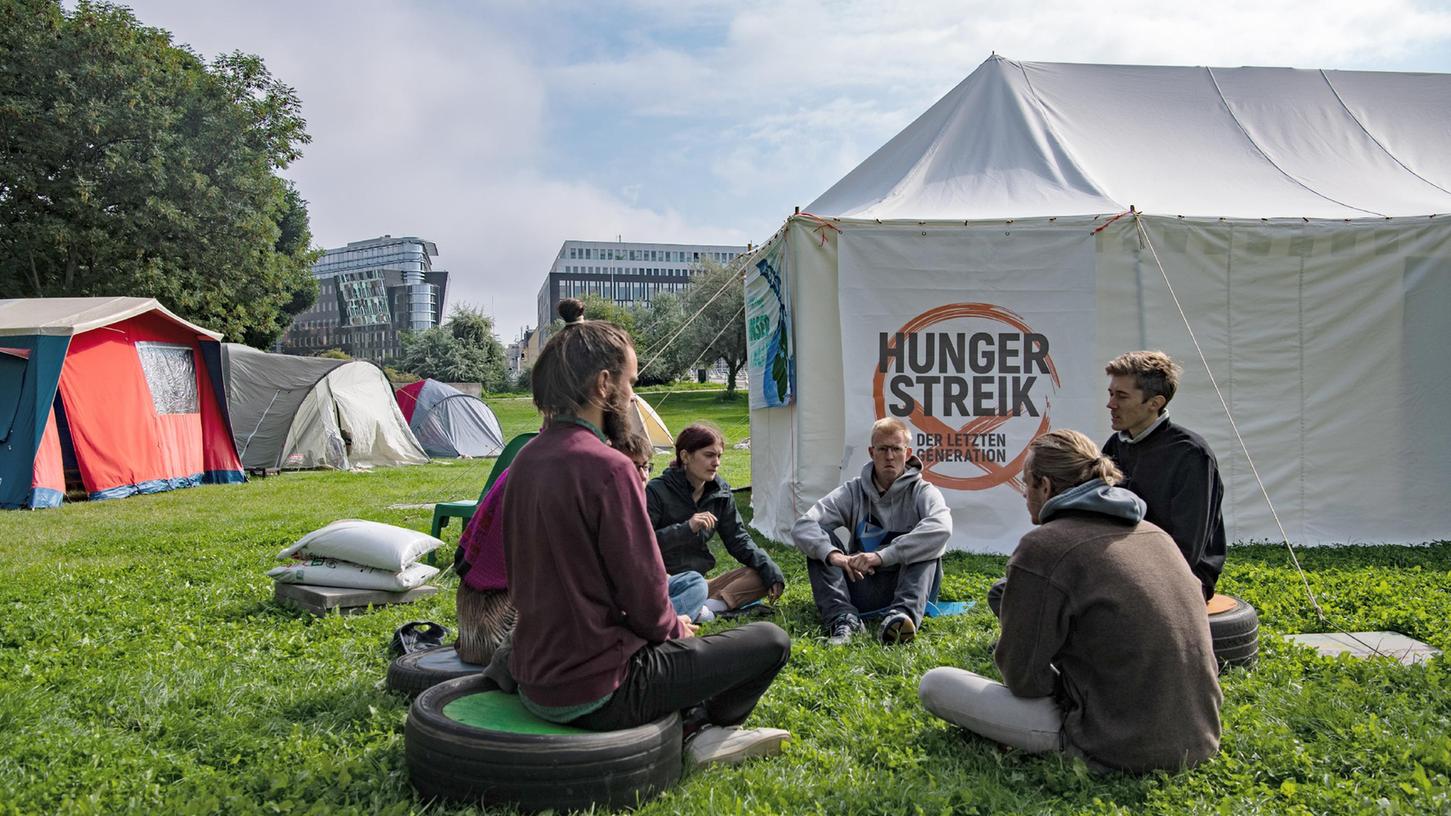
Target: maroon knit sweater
{"x":584,"y":570}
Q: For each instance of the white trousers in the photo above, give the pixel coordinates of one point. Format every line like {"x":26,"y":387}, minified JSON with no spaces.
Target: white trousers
{"x":986,"y":707}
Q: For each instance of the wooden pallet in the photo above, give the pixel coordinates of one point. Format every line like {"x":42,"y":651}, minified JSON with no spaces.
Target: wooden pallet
{"x":321,"y":600}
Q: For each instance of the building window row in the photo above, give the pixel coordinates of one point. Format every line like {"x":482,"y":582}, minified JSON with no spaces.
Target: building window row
{"x":625,"y":270}
{"x":621,"y":291}
{"x":667,"y":255}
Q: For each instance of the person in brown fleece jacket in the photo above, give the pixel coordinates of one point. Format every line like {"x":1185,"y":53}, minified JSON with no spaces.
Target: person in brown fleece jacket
{"x":1105,"y":647}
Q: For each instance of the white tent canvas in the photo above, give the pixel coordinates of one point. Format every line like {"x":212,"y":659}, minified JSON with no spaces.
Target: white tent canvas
{"x":976,"y":272}
{"x":310,"y":412}
{"x":652,"y":426}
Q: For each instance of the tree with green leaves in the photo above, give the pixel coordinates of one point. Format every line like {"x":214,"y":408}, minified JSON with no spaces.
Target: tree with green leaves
{"x":651,"y":325}
{"x":718,"y":333}
{"x":129,"y":166}
{"x":465,"y":349}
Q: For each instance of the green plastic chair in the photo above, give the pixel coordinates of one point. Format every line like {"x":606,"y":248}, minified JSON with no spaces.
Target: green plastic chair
{"x":443,"y":511}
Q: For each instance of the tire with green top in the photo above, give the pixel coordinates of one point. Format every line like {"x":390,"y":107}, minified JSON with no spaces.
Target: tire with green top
{"x":465,"y":741}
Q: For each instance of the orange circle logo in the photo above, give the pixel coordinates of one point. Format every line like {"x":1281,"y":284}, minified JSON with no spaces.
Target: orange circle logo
{"x":991,"y":377}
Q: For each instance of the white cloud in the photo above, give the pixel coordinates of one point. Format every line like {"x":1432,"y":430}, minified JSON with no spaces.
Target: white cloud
{"x":448,"y":121}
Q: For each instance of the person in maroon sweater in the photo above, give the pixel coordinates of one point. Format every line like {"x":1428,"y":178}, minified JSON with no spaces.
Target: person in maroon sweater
{"x":597,"y":644}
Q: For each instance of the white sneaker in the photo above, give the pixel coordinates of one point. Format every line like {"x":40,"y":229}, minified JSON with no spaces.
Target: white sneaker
{"x":728,"y":745}
{"x":704,"y":615}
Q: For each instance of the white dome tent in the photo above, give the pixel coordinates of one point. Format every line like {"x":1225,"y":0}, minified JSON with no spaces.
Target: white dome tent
{"x":295,"y":413}
{"x":976,"y":272}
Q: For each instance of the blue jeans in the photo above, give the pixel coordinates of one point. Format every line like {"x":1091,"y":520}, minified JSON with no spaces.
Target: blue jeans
{"x":687,"y":593}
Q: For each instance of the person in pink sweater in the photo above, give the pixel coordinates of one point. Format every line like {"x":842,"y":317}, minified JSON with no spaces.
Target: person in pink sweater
{"x":485,"y":610}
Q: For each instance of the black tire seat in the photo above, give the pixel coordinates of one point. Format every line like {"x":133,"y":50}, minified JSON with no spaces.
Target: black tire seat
{"x":1234,"y":626}
{"x":465,"y":741}
{"x":414,"y":672}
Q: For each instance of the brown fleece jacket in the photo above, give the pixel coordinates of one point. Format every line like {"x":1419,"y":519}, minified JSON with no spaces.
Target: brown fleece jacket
{"x":1113,"y":607}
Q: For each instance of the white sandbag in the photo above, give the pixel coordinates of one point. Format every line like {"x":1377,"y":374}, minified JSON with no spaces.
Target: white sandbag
{"x":370,"y":543}
{"x":334,"y":573}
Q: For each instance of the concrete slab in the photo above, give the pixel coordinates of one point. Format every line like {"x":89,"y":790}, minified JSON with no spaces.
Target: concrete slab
{"x":320,"y":600}
{"x":1368,"y":644}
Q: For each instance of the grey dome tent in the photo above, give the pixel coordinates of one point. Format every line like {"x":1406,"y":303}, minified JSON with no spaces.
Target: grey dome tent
{"x":313,"y":412}
{"x":449,"y":423}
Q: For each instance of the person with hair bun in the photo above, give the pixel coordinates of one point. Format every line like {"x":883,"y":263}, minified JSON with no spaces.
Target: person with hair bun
{"x":1105,"y":650}
{"x":596,"y":643}
{"x":689,"y":503}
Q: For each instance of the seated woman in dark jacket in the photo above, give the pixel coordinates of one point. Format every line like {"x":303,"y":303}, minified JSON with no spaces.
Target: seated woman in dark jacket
{"x":688,"y":503}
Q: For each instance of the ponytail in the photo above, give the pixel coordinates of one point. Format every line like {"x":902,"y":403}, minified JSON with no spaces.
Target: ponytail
{"x":1067,"y":459}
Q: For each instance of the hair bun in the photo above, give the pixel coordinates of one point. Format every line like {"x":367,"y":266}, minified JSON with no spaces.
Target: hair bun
{"x":571,"y":310}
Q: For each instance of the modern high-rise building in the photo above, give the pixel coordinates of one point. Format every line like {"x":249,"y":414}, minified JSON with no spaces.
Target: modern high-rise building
{"x":623,"y":272}
{"x":369,"y":292}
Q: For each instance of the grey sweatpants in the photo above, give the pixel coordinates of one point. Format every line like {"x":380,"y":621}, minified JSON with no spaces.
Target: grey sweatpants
{"x":988,"y":708}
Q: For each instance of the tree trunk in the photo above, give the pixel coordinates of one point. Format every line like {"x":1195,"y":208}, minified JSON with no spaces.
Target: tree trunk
{"x":733,"y":367}
{"x":35,"y":277}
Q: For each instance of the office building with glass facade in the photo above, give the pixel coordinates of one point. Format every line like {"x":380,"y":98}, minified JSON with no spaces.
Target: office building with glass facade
{"x":369,"y":292}
{"x":624,"y":272}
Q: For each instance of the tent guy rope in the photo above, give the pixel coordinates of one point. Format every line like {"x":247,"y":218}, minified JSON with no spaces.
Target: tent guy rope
{"x":1213,"y":381}
{"x":685,"y":325}
{"x":1204,"y":360}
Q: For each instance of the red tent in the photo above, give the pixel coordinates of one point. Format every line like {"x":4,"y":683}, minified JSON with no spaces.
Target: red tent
{"x":120,"y":389}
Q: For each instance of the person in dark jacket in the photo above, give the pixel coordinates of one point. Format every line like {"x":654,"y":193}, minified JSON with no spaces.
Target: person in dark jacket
{"x":1105,"y":650}
{"x":689,"y":503}
{"x":596,"y":643}
{"x":1170,"y":467}
{"x":687,"y":589}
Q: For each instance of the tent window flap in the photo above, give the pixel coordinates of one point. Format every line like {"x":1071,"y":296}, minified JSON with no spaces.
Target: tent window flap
{"x":171,"y":375}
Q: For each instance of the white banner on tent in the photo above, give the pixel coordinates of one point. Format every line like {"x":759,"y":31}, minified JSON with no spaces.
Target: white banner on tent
{"x":979,"y":340}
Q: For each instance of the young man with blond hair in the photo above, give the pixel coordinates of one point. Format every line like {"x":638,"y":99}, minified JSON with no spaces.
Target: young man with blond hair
{"x":892,"y":562}
{"x":1168,"y":466}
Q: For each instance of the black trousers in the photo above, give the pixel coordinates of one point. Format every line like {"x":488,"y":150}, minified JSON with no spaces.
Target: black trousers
{"x":906,"y":588}
{"x":995,"y":596}
{"x":725,"y":673}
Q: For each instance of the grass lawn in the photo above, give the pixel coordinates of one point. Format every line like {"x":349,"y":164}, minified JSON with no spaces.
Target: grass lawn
{"x":145,"y":669}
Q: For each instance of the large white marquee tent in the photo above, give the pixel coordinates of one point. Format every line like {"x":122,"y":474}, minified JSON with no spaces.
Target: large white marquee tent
{"x":976,"y":272}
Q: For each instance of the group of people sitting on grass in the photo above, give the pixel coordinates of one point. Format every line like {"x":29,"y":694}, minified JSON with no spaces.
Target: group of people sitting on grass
{"x":584,"y":581}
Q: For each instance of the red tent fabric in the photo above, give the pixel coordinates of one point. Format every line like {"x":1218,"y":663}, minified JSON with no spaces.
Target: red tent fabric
{"x":138,"y":405}
{"x":407,"y":397}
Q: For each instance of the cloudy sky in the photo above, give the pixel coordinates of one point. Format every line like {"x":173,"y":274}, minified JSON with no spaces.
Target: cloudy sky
{"x":500,"y":129}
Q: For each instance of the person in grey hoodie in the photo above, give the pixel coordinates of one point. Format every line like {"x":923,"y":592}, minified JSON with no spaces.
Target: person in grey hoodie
{"x":1105,"y":651}
{"x":892,"y":564}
